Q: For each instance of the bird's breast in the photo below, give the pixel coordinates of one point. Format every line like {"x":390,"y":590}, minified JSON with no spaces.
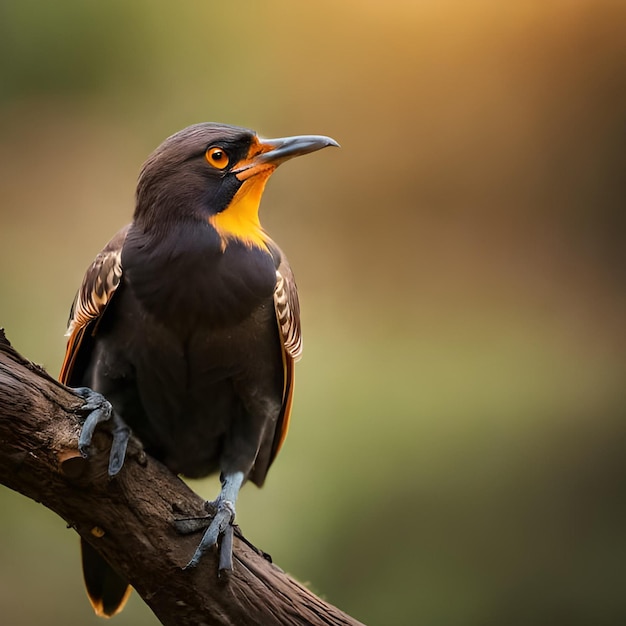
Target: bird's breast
{"x":186,"y":278}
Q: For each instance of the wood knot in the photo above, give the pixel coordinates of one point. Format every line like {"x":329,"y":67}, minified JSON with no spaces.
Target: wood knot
{"x":72,"y":464}
{"x":97,"y":532}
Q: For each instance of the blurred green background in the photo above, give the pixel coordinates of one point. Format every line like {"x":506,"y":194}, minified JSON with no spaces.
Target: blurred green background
{"x":457,"y":450}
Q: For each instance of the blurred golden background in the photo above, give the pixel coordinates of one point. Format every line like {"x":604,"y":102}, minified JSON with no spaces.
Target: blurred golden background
{"x":457,"y":450}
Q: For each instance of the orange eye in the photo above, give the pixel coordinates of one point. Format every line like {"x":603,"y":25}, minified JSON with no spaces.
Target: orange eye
{"x":217,"y":157}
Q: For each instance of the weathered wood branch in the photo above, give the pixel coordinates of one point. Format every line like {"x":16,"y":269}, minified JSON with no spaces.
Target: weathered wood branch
{"x":129,"y":519}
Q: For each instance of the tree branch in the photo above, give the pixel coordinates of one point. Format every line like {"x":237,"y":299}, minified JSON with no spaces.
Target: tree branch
{"x":129,"y":519}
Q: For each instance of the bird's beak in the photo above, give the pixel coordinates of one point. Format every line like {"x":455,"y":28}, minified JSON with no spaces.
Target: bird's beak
{"x":279,"y":150}
{"x":265,"y":155}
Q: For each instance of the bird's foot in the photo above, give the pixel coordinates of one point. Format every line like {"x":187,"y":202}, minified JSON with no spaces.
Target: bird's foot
{"x":190,"y":525}
{"x":220,"y":529}
{"x":98,"y":410}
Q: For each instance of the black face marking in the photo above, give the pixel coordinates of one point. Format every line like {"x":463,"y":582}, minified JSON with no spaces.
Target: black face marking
{"x":226,"y":192}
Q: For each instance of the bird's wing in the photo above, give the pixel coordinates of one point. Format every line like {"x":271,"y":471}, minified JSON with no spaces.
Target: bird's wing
{"x":100,"y":282}
{"x":287,"y":310}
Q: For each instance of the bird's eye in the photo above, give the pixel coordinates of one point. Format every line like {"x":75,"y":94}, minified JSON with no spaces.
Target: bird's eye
{"x":217,"y":157}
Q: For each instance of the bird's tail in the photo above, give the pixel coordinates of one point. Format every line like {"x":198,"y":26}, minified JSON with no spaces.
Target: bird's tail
{"x":106,"y":589}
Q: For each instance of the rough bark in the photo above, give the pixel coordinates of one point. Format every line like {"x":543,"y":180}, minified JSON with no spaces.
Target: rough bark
{"x":129,"y":519}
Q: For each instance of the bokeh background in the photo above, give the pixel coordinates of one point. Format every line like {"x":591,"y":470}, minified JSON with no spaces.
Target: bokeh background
{"x":458,"y":447}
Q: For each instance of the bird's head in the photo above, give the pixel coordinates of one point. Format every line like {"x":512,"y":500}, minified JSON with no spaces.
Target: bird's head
{"x":216,"y":173}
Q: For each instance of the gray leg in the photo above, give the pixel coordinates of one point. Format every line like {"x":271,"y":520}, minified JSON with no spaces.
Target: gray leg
{"x":221,"y":524}
{"x":99,"y":410}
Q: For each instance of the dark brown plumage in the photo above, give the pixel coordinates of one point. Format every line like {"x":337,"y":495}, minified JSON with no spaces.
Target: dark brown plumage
{"x":188,"y":323}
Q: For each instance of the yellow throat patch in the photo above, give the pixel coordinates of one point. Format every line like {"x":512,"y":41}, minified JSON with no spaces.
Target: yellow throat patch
{"x":240,"y":220}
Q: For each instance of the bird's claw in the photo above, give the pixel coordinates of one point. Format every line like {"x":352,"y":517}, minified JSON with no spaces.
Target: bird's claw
{"x":99,"y":410}
{"x":220,"y":530}
{"x":226,"y":550}
{"x":190,"y":525}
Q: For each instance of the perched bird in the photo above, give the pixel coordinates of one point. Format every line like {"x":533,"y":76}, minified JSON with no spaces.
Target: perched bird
{"x":188,"y":324}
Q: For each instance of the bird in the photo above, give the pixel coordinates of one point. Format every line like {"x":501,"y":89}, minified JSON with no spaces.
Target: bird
{"x":186,"y":327}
